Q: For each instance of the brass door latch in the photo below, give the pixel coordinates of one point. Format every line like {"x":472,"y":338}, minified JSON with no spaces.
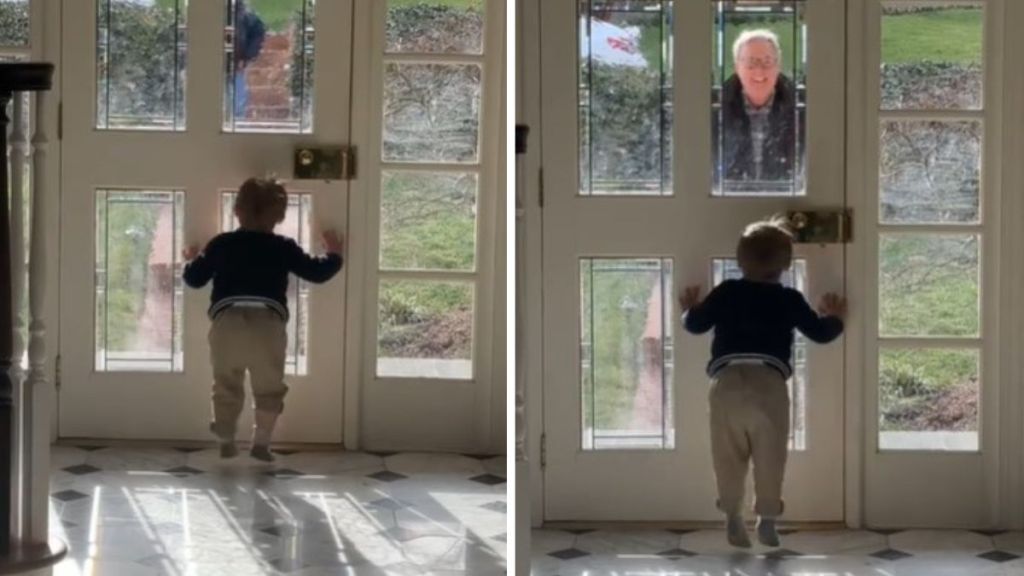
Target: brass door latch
{"x":821,"y":227}
{"x":333,"y":163}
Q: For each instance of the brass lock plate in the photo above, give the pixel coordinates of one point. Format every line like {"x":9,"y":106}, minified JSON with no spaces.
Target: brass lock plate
{"x":821,"y":227}
{"x":324,"y":163}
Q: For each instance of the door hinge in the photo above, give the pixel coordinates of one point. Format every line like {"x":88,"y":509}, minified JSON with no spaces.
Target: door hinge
{"x":543,"y":450}
{"x":60,"y":120}
{"x":56,"y":373}
{"x":540,"y":187}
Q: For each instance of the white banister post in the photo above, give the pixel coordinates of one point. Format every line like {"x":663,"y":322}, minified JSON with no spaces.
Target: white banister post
{"x":37,"y":390}
{"x":18,"y":150}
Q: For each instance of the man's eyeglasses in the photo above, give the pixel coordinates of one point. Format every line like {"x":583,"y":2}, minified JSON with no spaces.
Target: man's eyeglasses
{"x":762,"y":63}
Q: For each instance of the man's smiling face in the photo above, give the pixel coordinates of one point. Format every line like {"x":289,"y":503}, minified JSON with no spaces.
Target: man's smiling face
{"x":757,"y":66}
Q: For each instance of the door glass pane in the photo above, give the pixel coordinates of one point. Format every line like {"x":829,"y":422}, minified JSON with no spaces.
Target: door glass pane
{"x":759,"y":98}
{"x":928,"y":399}
{"x":428,"y":221}
{"x":14,"y":23}
{"x":297,"y":226}
{"x":425,"y":330}
{"x":796,"y":277}
{"x":928,"y":285}
{"x":932,"y":55}
{"x":268,"y":60}
{"x":436,"y":26}
{"x":625,"y":97}
{"x":930,"y":172}
{"x":141,"y":49}
{"x":626,"y":358}
{"x":138,"y":280}
{"x":431,"y":112}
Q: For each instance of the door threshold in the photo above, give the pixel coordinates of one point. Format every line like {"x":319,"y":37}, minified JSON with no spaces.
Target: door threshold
{"x":201,"y":444}
{"x":679,"y":526}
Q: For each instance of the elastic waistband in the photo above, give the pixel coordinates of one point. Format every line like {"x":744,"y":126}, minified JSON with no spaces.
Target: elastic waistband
{"x":248,"y":302}
{"x":719,"y":364}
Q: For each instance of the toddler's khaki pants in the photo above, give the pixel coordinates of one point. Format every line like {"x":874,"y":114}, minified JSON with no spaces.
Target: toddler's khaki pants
{"x":254,"y":339}
{"x":749,"y":420}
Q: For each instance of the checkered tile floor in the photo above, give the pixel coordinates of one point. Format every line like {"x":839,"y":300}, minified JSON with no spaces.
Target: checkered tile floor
{"x":185,"y":511}
{"x":803,"y":553}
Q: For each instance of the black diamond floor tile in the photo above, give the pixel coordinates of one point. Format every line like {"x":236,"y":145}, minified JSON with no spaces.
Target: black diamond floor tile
{"x":382,"y":454}
{"x":285,"y":452}
{"x":998,"y":556}
{"x":90,"y":448}
{"x":990,"y":533}
{"x":681,"y":531}
{"x":787,"y":531}
{"x":81,"y":469}
{"x":569,"y":554}
{"x":184,"y":470}
{"x":782,"y":553}
{"x":580,"y":531}
{"x":890,"y":554}
{"x":488,"y":479}
{"x":285,"y":473}
{"x":69,"y":495}
{"x":387,"y":476}
{"x":676,"y":553}
{"x":187,"y":449}
{"x":496,"y":507}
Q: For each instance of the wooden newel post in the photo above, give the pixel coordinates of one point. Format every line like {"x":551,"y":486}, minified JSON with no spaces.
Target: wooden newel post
{"x":14,"y":78}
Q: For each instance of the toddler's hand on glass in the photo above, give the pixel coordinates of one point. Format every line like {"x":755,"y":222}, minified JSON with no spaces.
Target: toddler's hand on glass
{"x":689,"y":297}
{"x":190,"y":253}
{"x":333,"y":242}
{"x":833,"y":305}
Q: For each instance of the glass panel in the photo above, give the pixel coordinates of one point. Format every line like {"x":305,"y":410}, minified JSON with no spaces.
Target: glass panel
{"x":14,"y":23}
{"x":928,"y":399}
{"x":138,"y":287}
{"x":268,"y":83}
{"x":425,"y":330}
{"x":796,"y":277}
{"x":428,"y":221}
{"x":932,"y":55}
{"x":928,"y":285}
{"x":625,"y":97}
{"x":431,"y":112}
{"x":930,"y":172}
{"x":759,"y":98}
{"x":436,"y":26}
{"x":297,"y":226}
{"x":626,"y":360}
{"x":141,"y":50}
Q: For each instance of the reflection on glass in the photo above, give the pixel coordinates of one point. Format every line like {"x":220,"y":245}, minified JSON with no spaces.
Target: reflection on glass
{"x":141,"y":53}
{"x":930,"y":172}
{"x":932,"y":55}
{"x":425,"y":330}
{"x":626,"y":361}
{"x":625,"y":97}
{"x":297,"y":226}
{"x":431,"y":112}
{"x":928,"y":285}
{"x":759,"y":98}
{"x":138,"y":290}
{"x":14,"y":23}
{"x":268,"y":83}
{"x":435,"y":26}
{"x":428,"y":221}
{"x":928,"y":399}
{"x":796,"y":277}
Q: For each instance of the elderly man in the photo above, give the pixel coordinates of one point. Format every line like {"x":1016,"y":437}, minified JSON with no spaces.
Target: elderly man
{"x":758,"y":116}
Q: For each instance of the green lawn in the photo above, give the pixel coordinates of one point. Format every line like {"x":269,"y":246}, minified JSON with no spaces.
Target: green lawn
{"x":952,"y":35}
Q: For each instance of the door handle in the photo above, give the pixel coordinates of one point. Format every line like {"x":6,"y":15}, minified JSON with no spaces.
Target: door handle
{"x":821,"y":226}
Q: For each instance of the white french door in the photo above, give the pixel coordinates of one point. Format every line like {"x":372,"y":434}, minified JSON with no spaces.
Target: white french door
{"x":632,"y":212}
{"x":160,"y":128}
{"x":169,"y":105}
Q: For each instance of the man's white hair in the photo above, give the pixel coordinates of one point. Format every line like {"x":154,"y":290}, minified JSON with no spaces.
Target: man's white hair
{"x":761,"y":34}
